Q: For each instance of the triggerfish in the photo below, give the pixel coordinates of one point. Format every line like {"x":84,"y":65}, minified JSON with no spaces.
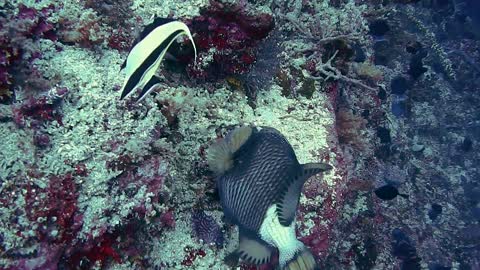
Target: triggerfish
{"x":147,"y":53}
{"x":259,"y":180}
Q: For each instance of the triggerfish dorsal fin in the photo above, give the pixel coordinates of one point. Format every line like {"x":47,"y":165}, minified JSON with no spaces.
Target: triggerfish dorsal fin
{"x":288,"y":200}
{"x":220,"y":154}
{"x":147,"y":54}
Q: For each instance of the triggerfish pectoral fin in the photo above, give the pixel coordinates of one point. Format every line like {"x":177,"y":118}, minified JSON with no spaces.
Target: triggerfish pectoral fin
{"x":147,"y":54}
{"x":287,"y":205}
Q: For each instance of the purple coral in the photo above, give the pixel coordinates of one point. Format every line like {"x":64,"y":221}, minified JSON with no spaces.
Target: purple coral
{"x":206,"y":229}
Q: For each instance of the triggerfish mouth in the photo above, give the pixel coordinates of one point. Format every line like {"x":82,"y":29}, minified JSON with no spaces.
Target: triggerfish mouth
{"x":147,"y":53}
{"x":259,"y":180}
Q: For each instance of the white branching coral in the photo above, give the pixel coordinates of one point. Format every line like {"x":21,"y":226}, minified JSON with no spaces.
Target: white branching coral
{"x":330,"y":72}
{"x":326,"y":25}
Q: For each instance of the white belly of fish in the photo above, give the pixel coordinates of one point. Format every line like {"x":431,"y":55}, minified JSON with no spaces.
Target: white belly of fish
{"x":281,"y":237}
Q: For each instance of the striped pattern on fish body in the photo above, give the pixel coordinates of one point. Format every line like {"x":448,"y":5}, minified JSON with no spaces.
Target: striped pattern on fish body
{"x":147,"y":53}
{"x":259,"y":181}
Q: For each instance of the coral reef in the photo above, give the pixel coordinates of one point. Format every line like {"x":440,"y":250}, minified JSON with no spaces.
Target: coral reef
{"x":384,"y":91}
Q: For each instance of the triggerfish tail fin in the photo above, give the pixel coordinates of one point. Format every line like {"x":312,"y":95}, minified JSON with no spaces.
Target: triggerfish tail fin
{"x":146,"y":55}
{"x":303,"y":260}
{"x":220,"y":154}
{"x":288,"y":200}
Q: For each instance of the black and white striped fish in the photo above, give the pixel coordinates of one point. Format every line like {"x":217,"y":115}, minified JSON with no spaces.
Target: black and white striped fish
{"x":147,"y":53}
{"x":259,"y":182}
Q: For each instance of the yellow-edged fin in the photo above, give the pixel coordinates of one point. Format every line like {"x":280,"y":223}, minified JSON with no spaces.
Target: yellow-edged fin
{"x":146,"y":56}
{"x":220,"y":154}
{"x":238,"y":137}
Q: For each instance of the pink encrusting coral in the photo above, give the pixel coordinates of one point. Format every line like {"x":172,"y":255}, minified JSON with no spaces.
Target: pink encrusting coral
{"x":226,"y":37}
{"x":60,"y":220}
{"x":326,"y":214}
{"x":98,"y":253}
{"x":44,"y":108}
{"x":54,"y":208}
{"x":34,"y":24}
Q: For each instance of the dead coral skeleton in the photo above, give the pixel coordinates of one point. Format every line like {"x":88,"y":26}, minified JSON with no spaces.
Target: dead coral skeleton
{"x":310,"y":36}
{"x":331,"y":72}
{"x":326,"y":70}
